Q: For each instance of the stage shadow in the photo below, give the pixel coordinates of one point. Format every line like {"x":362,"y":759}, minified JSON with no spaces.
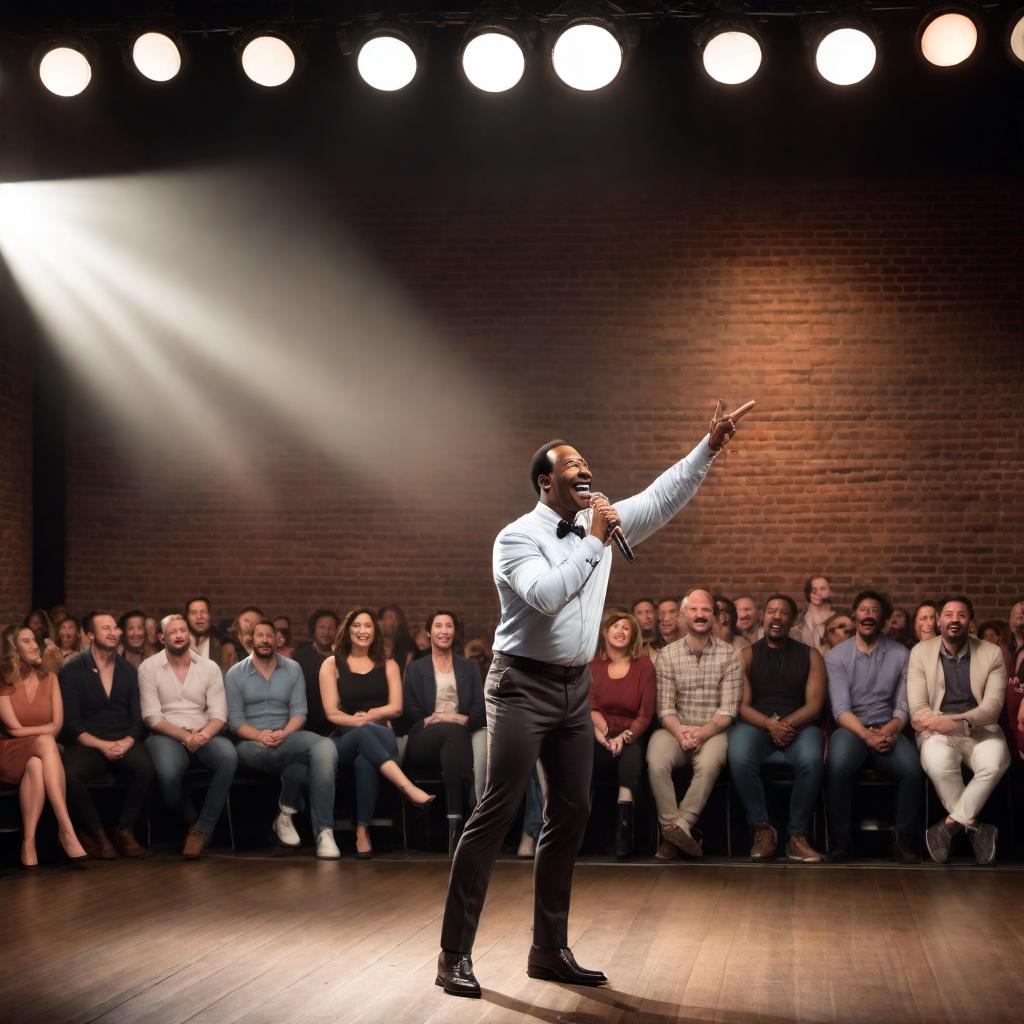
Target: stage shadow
{"x":634,"y":1009}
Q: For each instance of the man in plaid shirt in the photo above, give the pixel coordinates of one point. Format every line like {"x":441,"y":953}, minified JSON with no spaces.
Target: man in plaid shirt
{"x":700,"y":683}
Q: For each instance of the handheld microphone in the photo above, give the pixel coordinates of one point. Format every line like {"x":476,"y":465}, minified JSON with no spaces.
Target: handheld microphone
{"x":617,"y":535}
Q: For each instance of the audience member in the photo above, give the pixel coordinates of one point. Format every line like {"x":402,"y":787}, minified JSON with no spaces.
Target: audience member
{"x":266,"y":711}
{"x":444,"y":706}
{"x":58,"y":613}
{"x":784,"y":688}
{"x":1015,"y":706}
{"x":926,"y":621}
{"x":39,"y":622}
{"x":183,"y":703}
{"x":153,"y":644}
{"x":1015,"y":621}
{"x":420,"y":643}
{"x":668,"y":622}
{"x":533,"y":813}
{"x":837,"y":628}
{"x":646,"y":614}
{"x":747,"y":625}
{"x":239,"y":641}
{"x":133,"y":637}
{"x":698,"y":694}
{"x":995,"y":631}
{"x":69,"y":636}
{"x":956,"y":685}
{"x":102,"y":728}
{"x":283,"y":636}
{"x":867,"y":681}
{"x":205,"y":642}
{"x":31,"y":715}
{"x":725,"y":623}
{"x":361,"y":691}
{"x":899,"y":627}
{"x":323,"y":628}
{"x":622,"y":697}
{"x":479,"y":650}
{"x":394,"y":627}
{"x":810,"y":623}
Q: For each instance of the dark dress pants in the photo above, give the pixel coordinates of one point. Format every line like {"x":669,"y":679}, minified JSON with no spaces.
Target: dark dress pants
{"x":448,"y":746}
{"x":85,"y":765}
{"x":527,"y":717}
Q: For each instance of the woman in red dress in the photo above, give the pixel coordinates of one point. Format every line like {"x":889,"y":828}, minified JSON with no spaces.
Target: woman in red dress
{"x":32,"y":714}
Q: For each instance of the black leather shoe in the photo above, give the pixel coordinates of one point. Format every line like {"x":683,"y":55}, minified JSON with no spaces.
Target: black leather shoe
{"x":560,"y":965}
{"x":455,"y":975}
{"x":903,"y":851}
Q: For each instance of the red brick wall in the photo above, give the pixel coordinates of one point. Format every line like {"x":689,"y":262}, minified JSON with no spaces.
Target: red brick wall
{"x":15,"y":468}
{"x":879,"y":328}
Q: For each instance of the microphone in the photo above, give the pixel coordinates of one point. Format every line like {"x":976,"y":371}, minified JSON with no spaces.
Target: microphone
{"x":617,"y":535}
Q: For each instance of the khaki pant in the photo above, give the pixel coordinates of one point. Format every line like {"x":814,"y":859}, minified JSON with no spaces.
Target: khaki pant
{"x":663,"y":755}
{"x":986,"y":755}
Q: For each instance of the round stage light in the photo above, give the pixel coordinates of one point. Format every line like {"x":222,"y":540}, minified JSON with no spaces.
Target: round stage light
{"x":1016,"y":37}
{"x":65,"y":71}
{"x":587,"y":56}
{"x":268,"y":61}
{"x":156,"y":56}
{"x":732,"y":57}
{"x":493,"y":61}
{"x":845,"y":56}
{"x":386,"y":62}
{"x":949,"y":39}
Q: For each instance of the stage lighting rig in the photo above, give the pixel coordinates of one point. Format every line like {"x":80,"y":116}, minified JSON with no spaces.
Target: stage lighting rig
{"x":845,"y":51}
{"x":155,"y":55}
{"x":1015,"y":38}
{"x":387,"y":59}
{"x":268,"y":58}
{"x":730,"y":50}
{"x":947,"y":37}
{"x":493,"y":57}
{"x":65,"y":67}
{"x":588,"y":53}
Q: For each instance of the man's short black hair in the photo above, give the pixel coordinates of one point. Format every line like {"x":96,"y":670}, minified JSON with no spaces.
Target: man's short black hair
{"x":323,"y":613}
{"x":782,"y":597}
{"x":873,"y":595}
{"x":730,"y":608}
{"x":199,"y":597}
{"x":662,"y":600}
{"x":540,"y":464}
{"x":961,"y":598}
{"x":264,"y":622}
{"x":134,"y":613}
{"x":88,"y":620}
{"x":643,"y":600}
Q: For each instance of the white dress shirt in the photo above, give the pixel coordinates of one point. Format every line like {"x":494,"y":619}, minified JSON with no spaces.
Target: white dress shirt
{"x":553,"y":590}
{"x":189,"y":705}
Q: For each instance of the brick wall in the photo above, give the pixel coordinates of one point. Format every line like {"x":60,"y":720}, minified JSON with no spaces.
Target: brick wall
{"x":878,"y":326}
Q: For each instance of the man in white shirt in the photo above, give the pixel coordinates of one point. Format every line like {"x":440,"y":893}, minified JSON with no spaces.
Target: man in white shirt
{"x":551,"y":570}
{"x":183,"y":703}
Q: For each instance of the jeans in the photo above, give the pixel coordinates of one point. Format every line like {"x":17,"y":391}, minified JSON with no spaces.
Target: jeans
{"x":533,"y":811}
{"x":846,"y":754}
{"x":366,"y":748}
{"x":171,"y":760}
{"x":750,"y":747}
{"x":302,"y":760}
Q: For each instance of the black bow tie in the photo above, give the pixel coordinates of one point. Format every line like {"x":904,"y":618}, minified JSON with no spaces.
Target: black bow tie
{"x":565,"y":527}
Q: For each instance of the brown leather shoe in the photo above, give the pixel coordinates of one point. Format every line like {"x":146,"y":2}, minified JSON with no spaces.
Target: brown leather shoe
{"x":680,"y":837}
{"x":98,"y":846}
{"x":766,"y":841}
{"x":800,"y":850}
{"x":127,"y":844}
{"x":666,"y":851}
{"x":195,"y":843}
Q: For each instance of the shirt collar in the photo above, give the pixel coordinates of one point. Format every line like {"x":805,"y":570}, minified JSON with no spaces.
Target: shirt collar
{"x":548,"y":514}
{"x":965,"y":651}
{"x":249,"y":667}
{"x":713,"y":642}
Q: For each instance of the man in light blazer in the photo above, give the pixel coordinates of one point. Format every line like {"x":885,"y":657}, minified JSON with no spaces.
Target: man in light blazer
{"x":956,"y":686}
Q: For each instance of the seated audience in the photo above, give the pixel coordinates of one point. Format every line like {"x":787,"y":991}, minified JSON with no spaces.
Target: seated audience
{"x":238,"y":642}
{"x":479,"y":650}
{"x":69,"y":636}
{"x":283,"y":636}
{"x":205,"y":642}
{"x":361,"y":691}
{"x":925,"y":621}
{"x":1015,"y":622}
{"x":266,"y":711}
{"x":42,"y":627}
{"x":153,"y":644}
{"x":725,"y":623}
{"x":133,"y":637}
{"x":323,"y":628}
{"x":668,"y":622}
{"x":421,"y":643}
{"x":867,"y":682}
{"x":58,"y":613}
{"x":837,"y":628}
{"x":956,"y":685}
{"x":646,"y":614}
{"x":898,"y":627}
{"x":31,"y":717}
{"x":747,"y":624}
{"x":698,"y":693}
{"x":183,"y":703}
{"x":810,"y":623}
{"x":622,"y":696}
{"x":394,"y":628}
{"x":1015,"y":706}
{"x":444,"y":706}
{"x":102,"y":729}
{"x":784,"y":688}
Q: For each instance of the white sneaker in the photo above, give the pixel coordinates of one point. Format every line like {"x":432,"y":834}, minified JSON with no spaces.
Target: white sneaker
{"x":326,"y":847}
{"x":285,"y":830}
{"x":527,"y":846}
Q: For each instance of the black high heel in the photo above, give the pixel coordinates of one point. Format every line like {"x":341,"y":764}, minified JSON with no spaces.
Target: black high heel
{"x":423,"y":806}
{"x":68,"y":860}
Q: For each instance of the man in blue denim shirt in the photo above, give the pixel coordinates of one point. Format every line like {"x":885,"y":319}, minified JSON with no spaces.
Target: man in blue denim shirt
{"x":867,"y":682}
{"x":266,"y":711}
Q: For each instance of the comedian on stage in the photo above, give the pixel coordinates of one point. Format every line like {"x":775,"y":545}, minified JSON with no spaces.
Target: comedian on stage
{"x":551,"y":567}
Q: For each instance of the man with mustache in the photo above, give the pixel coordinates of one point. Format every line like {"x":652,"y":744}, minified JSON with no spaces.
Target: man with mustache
{"x":956,"y":686}
{"x":699,"y":687}
{"x":783,"y":700}
{"x":867,"y":682}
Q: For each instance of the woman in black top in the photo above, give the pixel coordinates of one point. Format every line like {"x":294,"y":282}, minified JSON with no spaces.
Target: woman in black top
{"x":362,"y":694}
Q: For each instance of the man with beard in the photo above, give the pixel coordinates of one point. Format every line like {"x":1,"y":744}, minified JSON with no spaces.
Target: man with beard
{"x":867,"y":682}
{"x":102,"y":728}
{"x":783,"y":701}
{"x":184,"y":705}
{"x":323,"y":627}
{"x":266,"y":711}
{"x":747,"y":625}
{"x":699,"y":688}
{"x":551,"y":569}
{"x":199,"y":616}
{"x":956,"y":686}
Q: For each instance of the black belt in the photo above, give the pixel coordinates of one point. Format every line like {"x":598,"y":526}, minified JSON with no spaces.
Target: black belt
{"x":559,"y":673}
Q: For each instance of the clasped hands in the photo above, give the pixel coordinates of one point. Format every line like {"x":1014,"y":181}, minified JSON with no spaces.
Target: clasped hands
{"x":116,"y":750}
{"x":446,"y":716}
{"x":934,"y":722}
{"x":781,"y":731}
{"x":196,"y":739}
{"x":690,"y":737}
{"x":879,"y":739}
{"x":613,"y":745}
{"x":271,"y":737}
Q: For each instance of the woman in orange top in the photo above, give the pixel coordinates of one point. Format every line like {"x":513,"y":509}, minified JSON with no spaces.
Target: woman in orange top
{"x":32,"y":715}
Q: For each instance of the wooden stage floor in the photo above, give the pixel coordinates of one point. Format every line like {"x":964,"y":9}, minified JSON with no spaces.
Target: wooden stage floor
{"x":274,"y":941}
